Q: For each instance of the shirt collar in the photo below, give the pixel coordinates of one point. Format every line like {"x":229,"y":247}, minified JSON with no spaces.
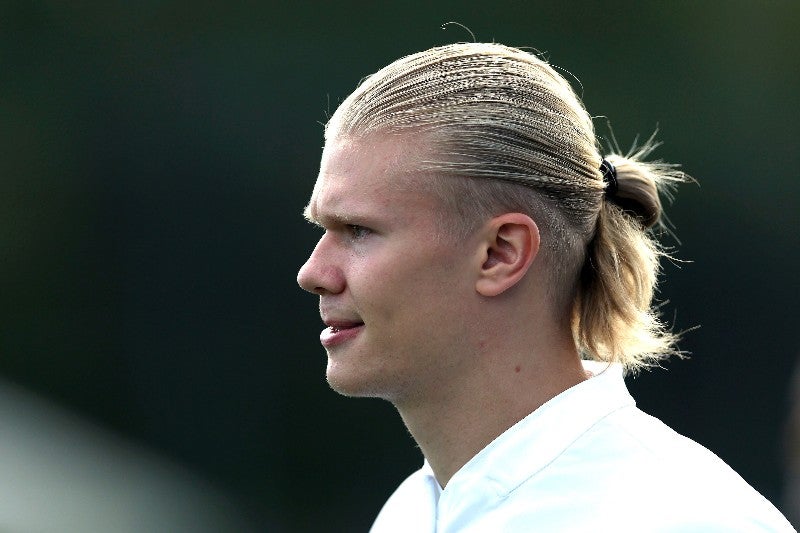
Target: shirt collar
{"x":531,"y":444}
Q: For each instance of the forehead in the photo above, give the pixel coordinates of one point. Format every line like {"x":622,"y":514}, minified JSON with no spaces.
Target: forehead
{"x":378,"y":174}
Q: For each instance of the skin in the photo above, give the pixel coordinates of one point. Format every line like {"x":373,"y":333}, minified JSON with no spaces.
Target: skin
{"x":457,"y":334}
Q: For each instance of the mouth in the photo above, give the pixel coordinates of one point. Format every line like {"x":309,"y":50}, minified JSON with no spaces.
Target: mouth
{"x":341,"y":326}
{"x":339,"y":331}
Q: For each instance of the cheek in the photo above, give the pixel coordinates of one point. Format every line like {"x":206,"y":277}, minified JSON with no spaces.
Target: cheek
{"x":412,"y":282}
{"x":423,"y":293}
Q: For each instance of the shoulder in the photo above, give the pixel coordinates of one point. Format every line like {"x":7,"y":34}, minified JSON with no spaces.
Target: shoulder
{"x":630,"y":471}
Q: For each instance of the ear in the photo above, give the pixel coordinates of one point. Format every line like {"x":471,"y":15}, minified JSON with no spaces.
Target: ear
{"x":509,"y":246}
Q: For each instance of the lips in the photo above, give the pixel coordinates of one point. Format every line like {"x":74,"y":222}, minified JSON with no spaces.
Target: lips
{"x":339,"y":331}
{"x":342,"y":324}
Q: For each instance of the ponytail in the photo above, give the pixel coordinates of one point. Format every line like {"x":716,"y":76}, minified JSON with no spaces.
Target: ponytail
{"x":614,"y":319}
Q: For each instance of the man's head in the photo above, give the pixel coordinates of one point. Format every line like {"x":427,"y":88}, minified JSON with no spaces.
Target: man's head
{"x":449,"y":162}
{"x":507,"y":122}
{"x":405,"y":300}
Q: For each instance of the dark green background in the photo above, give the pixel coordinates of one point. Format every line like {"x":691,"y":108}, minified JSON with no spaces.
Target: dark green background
{"x":155,"y":158}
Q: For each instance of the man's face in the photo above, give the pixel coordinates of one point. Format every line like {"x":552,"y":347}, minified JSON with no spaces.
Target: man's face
{"x":394,"y":289}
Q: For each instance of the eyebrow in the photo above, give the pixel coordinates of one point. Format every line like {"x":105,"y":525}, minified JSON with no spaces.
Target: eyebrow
{"x":309,"y":213}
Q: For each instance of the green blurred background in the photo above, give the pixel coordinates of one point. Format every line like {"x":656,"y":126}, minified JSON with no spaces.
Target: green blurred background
{"x":155,"y":158}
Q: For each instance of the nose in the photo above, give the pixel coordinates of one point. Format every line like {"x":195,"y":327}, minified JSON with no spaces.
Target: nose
{"x":320,"y":275}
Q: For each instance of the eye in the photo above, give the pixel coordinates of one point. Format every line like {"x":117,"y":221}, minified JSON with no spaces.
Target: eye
{"x":357,"y":232}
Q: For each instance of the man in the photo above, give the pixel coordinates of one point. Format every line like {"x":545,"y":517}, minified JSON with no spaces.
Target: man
{"x":476,"y":248}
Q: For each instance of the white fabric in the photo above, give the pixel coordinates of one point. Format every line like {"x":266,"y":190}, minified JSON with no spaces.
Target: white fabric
{"x":587,"y":460}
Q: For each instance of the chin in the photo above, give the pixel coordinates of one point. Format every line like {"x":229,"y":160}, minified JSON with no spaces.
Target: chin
{"x":350,"y":382}
{"x":350,"y":386}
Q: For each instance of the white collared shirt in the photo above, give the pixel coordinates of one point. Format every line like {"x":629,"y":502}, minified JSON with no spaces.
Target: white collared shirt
{"x":587,"y":460}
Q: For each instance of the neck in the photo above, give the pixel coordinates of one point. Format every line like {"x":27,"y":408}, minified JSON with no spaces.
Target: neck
{"x":503,"y":386}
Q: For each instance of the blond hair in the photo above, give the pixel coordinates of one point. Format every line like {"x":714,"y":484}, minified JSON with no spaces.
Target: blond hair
{"x":514,"y":130}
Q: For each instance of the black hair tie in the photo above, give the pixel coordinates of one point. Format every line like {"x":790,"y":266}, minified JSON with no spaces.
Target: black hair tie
{"x":609,"y":177}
